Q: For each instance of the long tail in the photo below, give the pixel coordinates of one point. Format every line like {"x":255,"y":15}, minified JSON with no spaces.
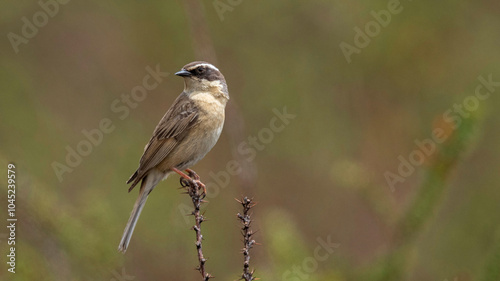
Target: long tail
{"x":147,"y":185}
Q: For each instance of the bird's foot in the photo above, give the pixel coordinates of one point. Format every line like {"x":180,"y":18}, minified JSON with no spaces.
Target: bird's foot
{"x":197,"y":180}
{"x":193,"y":178}
{"x":193,"y":174}
{"x":202,"y":185}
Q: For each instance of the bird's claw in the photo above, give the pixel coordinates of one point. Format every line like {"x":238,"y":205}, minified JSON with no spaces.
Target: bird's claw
{"x":184,"y":182}
{"x":192,"y":178}
{"x":192,"y":174}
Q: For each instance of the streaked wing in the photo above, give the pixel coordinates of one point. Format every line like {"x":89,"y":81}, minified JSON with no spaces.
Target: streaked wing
{"x":182,"y":115}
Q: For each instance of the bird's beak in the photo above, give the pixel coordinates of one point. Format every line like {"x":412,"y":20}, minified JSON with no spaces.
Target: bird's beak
{"x":183,"y":73}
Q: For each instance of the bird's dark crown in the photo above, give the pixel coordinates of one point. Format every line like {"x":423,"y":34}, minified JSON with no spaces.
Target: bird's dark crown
{"x":204,"y":70}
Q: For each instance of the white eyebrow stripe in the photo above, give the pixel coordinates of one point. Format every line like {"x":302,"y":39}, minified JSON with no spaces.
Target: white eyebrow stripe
{"x":203,"y":64}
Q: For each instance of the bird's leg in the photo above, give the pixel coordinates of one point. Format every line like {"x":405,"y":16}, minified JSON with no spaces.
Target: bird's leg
{"x":182,"y":174}
{"x":193,"y":177}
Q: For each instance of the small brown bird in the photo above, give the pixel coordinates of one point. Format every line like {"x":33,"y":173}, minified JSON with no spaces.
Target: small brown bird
{"x":186,"y":133}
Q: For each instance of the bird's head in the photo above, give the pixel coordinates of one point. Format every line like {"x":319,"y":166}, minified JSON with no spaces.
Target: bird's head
{"x":200,"y":76}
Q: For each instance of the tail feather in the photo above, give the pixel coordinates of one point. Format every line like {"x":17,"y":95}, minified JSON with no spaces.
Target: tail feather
{"x":134,"y":179}
{"x":148,"y":183}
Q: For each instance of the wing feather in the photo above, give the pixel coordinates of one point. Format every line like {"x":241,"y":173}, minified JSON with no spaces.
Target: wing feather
{"x":181,"y":116}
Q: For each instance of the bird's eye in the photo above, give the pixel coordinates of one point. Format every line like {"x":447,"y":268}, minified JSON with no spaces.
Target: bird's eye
{"x":200,"y":70}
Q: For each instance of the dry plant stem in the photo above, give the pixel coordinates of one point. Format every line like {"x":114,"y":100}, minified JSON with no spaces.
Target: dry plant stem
{"x":247,"y":233}
{"x":196,"y":192}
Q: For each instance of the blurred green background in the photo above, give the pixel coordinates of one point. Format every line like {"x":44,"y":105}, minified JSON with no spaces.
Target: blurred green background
{"x":322,"y":177}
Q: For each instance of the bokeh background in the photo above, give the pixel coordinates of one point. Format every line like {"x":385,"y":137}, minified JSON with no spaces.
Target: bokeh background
{"x":322,"y":177}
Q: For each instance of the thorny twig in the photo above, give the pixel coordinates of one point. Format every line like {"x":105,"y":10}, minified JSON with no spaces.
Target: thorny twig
{"x":247,"y":233}
{"x":197,"y":194}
